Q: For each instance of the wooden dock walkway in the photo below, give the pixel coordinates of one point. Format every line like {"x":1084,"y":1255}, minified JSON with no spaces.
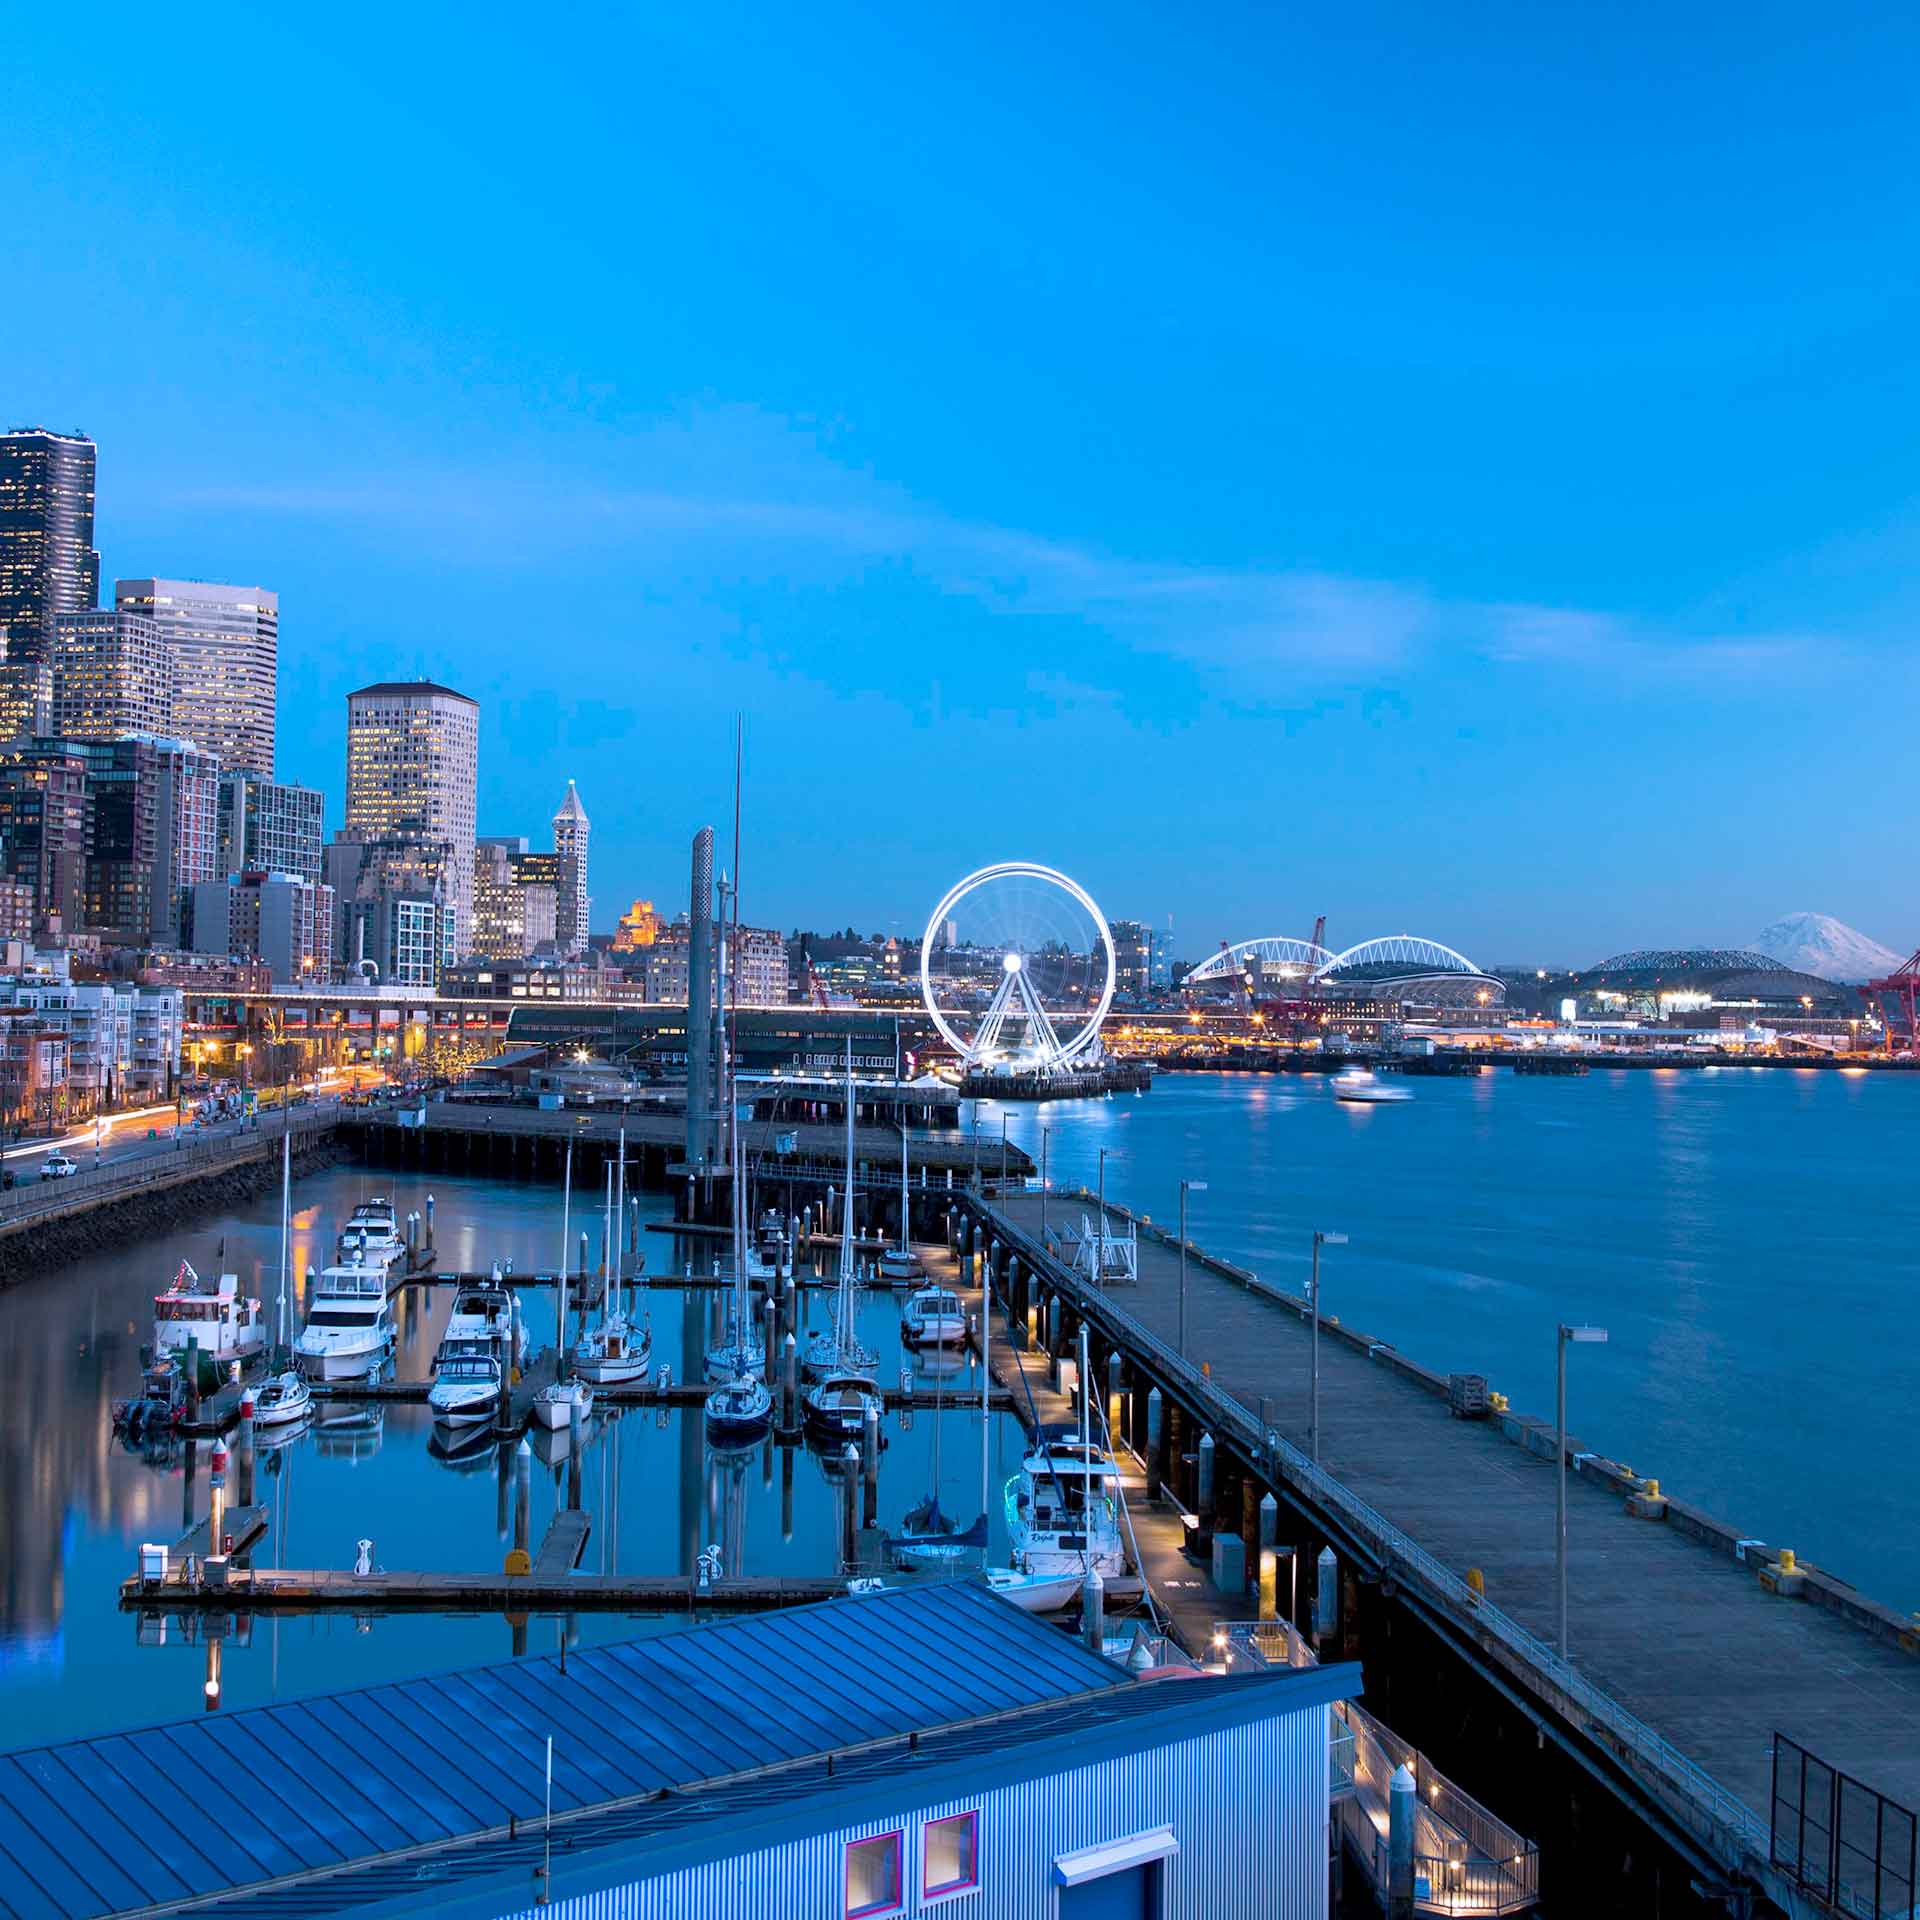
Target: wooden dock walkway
{"x":1664,"y":1619}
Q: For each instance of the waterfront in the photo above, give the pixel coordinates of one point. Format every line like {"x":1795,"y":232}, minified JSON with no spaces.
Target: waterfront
{"x":76,"y":1504}
{"x":1745,"y":1238}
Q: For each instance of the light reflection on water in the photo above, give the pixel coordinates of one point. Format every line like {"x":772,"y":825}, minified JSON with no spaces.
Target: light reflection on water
{"x":1748,"y":1236}
{"x":75,"y":1504}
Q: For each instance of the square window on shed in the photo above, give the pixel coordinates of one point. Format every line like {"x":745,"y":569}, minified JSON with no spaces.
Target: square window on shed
{"x":950,"y":1855}
{"x":873,"y":1875}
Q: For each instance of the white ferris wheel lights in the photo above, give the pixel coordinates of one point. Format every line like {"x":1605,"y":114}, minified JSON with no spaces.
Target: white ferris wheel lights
{"x":1017,"y":997}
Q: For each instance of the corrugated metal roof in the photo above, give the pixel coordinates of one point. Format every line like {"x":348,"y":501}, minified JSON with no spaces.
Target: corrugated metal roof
{"x":600,"y":1848}
{"x":94,"y":1826}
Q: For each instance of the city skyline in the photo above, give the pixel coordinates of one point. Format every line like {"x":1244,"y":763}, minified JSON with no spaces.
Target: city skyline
{"x":1516,"y":552}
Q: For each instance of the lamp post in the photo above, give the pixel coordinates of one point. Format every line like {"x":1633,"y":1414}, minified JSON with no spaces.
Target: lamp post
{"x":1186,"y":1187}
{"x":1313,"y":1293}
{"x":1100,"y":1273}
{"x":1563,"y":1338}
{"x":1003,"y":1156}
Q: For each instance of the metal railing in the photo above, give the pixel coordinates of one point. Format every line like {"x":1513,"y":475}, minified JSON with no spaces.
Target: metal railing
{"x":35,"y":1199}
{"x":1712,"y":1814}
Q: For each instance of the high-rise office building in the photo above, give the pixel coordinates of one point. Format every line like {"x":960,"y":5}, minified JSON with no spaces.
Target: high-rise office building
{"x":268,"y":827}
{"x":1132,"y":956}
{"x":112,"y":676}
{"x":45,"y":826}
{"x":26,"y":699}
{"x":274,"y":917}
{"x":413,"y":758}
{"x":571,"y":828}
{"x":226,"y":650}
{"x":393,"y":906}
{"x":47,"y":560}
{"x":515,"y":898}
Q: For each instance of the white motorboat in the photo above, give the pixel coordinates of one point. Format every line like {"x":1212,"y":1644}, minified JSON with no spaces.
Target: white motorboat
{"x":613,"y":1354}
{"x":281,"y":1401}
{"x":563,"y":1403}
{"x":349,"y":1330}
{"x":218,"y":1322}
{"x":1035,"y":1592}
{"x":933,"y":1317}
{"x":487,"y":1313}
{"x":373,"y":1232}
{"x":1360,"y":1086}
{"x":1063,"y":1507}
{"x":466,"y":1388}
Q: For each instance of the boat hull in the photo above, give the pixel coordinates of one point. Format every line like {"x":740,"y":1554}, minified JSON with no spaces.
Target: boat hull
{"x":464,"y":1412}
{"x":340,"y":1363}
{"x":936,"y":1330}
{"x":1036,"y":1593}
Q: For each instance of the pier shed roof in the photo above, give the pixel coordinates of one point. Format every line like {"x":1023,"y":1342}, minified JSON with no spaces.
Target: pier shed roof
{"x":125,"y":1821}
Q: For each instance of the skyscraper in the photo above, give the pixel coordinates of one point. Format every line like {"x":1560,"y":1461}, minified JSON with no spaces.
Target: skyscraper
{"x":112,"y":676}
{"x":47,"y":561}
{"x":226,"y":651}
{"x":571,"y":828}
{"x":413,"y":762}
{"x":268,"y":827}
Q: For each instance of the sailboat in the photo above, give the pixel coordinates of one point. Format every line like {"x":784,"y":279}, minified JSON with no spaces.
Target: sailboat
{"x":901,"y":1262}
{"x":286,"y":1397}
{"x":839,"y":1351}
{"x":614,"y":1353}
{"x":928,"y":1539}
{"x":740,"y":1408}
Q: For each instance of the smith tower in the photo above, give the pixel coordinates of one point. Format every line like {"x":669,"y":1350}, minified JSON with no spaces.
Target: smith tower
{"x":570,"y":830}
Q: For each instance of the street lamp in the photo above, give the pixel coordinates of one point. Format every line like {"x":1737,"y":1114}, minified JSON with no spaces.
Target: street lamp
{"x":1313,"y":1293}
{"x":1186,"y":1187}
{"x":1566,"y":1336}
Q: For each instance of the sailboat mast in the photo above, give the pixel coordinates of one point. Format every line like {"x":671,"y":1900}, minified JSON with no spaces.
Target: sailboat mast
{"x":986,"y":1384}
{"x":566,"y":1231}
{"x":286,"y":1228}
{"x":903,"y":1179}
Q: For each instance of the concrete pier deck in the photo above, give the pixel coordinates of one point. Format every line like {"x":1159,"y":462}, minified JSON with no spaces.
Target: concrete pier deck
{"x":1664,"y":1618}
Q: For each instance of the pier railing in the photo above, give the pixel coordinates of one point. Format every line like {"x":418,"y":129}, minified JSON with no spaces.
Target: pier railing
{"x":39,"y":1199}
{"x":1716,"y":1818}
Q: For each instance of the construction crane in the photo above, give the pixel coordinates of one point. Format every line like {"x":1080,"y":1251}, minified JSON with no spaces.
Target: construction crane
{"x":1897,"y":994}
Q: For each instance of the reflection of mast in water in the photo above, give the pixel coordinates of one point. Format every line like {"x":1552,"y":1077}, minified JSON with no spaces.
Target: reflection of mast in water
{"x":726,"y":1504}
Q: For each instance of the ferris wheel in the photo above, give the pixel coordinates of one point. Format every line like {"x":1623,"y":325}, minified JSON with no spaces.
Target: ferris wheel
{"x":1017,"y":968}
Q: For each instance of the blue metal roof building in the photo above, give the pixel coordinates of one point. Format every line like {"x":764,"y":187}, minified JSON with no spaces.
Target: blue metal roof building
{"x":790,"y":1763}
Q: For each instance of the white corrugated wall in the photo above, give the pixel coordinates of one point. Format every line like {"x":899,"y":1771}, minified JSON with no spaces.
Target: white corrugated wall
{"x":1248,"y":1806}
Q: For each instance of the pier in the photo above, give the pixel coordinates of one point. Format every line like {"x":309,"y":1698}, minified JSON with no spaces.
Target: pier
{"x":1693,"y":1646}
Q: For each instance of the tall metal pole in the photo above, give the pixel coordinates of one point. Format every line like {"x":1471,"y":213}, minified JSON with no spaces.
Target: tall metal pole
{"x":1003,"y":1156}
{"x":1044,"y":1133}
{"x":1183,"y":1269}
{"x":1560,"y":1478}
{"x":1313,"y":1414}
{"x":1100,"y":1275}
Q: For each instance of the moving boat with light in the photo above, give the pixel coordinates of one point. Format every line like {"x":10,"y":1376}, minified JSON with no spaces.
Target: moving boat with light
{"x":1360,"y":1086}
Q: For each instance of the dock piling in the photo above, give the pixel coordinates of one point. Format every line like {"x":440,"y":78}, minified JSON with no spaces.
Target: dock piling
{"x":789,"y":1383}
{"x":870,"y":1462}
{"x":1204,"y":1468}
{"x":1401,"y":1806}
{"x":1093,"y":1610}
{"x":1326,"y":1596}
{"x":850,"y":1480}
{"x":1156,"y":1437}
{"x":771,"y":1343}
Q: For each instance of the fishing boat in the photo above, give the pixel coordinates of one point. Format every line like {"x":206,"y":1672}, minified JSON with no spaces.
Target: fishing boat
{"x":1063,"y":1507}
{"x":839,"y":1350}
{"x":349,"y":1330}
{"x":487,"y":1313}
{"x":1034,"y":1592}
{"x":563,"y":1403}
{"x":466,"y":1388}
{"x":933,"y":1317}
{"x":219,"y":1322}
{"x":282,"y":1400}
{"x":1360,"y":1086}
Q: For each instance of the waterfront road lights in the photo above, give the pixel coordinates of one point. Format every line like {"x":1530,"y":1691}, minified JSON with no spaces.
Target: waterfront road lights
{"x":1585,"y":1336}
{"x":1313,"y":1294}
{"x":1186,"y":1187}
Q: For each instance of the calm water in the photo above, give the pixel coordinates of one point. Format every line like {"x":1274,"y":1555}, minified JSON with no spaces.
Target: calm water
{"x":74,"y":1504}
{"x":1747,"y":1236}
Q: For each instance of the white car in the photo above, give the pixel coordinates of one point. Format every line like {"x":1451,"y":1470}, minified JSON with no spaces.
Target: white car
{"x":57,"y":1166}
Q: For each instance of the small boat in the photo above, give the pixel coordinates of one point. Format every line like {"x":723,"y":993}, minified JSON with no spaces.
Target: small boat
{"x":929,"y":1539}
{"x":1063,"y":1508}
{"x":933,"y":1317}
{"x":466,"y":1389}
{"x":741,"y":1350}
{"x":563,"y":1403}
{"x":282,"y":1400}
{"x":487,"y":1313}
{"x":1035,"y":1592}
{"x":163,"y":1392}
{"x":738,"y":1411}
{"x":898,"y":1263}
{"x":840,"y":1352}
{"x":610,"y":1355}
{"x":1359,"y":1086}
{"x":838,"y":1404}
{"x":218,"y":1322}
{"x":349,"y":1330}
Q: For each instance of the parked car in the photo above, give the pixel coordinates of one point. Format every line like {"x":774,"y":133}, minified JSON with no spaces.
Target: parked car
{"x":58,"y":1166}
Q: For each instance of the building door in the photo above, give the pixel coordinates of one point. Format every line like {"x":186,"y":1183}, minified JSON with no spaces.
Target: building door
{"x":1132,"y":1893}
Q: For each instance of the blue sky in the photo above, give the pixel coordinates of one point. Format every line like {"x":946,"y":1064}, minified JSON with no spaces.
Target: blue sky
{"x":1447,"y":469}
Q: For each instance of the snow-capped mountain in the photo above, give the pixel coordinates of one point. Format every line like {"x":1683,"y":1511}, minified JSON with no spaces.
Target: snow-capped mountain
{"x":1819,"y":944}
